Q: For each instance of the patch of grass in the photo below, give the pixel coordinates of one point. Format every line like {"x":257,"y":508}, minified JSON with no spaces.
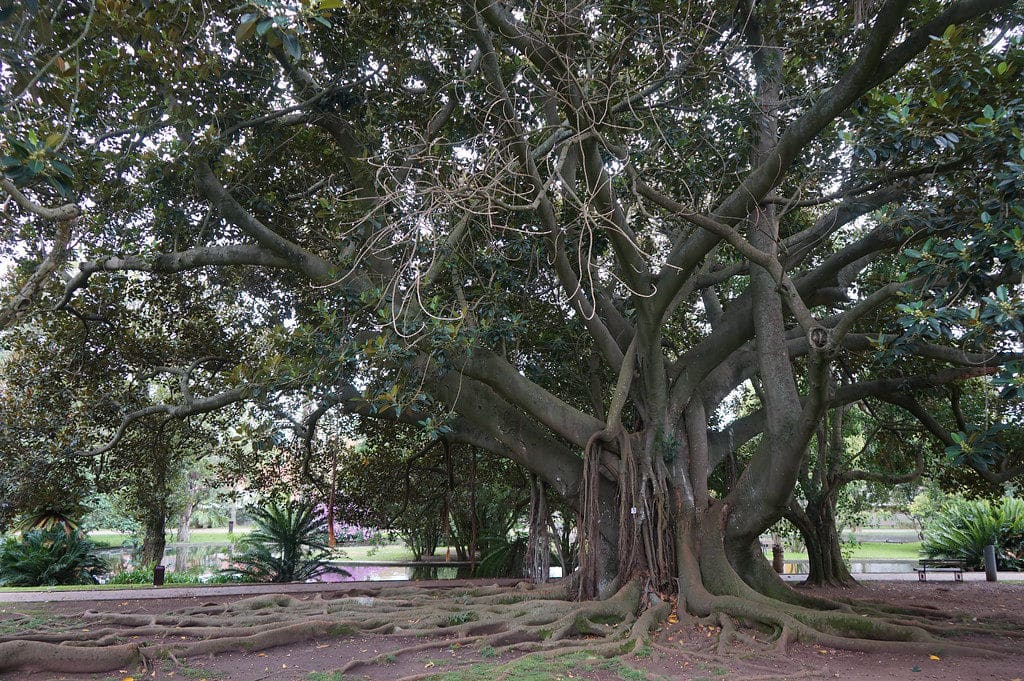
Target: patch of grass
{"x":36,"y":618}
{"x":530,"y":668}
{"x":458,"y":618}
{"x":510,"y":600}
{"x":625,"y":672}
{"x":389,"y":659}
{"x":536,"y":668}
{"x":488,"y":652}
{"x":326,"y":676}
{"x":342,"y":630}
{"x":644,"y":652}
{"x":195,"y":673}
{"x":385,"y":553}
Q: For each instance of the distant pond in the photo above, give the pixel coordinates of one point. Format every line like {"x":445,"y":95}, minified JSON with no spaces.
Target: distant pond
{"x":207,"y":559}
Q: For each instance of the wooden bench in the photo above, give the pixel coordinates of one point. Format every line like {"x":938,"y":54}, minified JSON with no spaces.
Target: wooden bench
{"x":954,"y":565}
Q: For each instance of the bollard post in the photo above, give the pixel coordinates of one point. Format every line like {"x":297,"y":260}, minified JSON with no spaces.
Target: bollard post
{"x":158,"y":575}
{"x":778,"y":558}
{"x":990,"y":563}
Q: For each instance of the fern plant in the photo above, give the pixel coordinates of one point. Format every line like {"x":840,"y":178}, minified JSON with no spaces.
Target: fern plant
{"x":50,"y":558}
{"x":964,"y":528}
{"x":286,"y":545}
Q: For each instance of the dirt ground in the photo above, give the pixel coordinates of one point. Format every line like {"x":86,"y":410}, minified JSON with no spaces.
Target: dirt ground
{"x":673,"y":658}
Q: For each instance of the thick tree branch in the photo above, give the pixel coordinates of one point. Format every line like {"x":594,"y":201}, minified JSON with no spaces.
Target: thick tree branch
{"x":68,"y":211}
{"x":30,"y":290}
{"x":311,"y":265}
{"x":170,"y":263}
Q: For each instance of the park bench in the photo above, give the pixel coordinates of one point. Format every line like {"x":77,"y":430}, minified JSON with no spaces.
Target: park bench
{"x":954,"y":565}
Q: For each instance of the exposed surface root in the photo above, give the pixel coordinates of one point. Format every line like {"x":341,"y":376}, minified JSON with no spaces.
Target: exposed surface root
{"x":514,"y":621}
{"x":849,"y":630}
{"x":523,"y":618}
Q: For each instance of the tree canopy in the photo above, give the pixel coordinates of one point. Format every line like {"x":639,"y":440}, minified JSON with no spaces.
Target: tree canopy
{"x":562,"y":233}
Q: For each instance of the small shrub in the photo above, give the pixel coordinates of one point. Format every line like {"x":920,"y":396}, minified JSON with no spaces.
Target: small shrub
{"x":145,"y":576}
{"x":50,"y":558}
{"x":141,"y":576}
{"x":964,"y":528}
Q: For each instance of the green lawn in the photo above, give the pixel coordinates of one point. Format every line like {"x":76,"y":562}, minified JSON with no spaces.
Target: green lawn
{"x":876,"y":551}
{"x":388,"y":552}
{"x":217,"y":534}
{"x":93,"y":587}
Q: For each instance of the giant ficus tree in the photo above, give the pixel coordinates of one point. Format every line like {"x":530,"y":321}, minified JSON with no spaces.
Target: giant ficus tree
{"x":560,"y":232}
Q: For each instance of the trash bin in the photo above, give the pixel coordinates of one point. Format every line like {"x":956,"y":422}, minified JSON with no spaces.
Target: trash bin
{"x":158,"y":575}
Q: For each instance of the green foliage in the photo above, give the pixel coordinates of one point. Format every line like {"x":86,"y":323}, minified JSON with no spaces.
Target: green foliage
{"x":33,"y":159}
{"x":458,"y":618}
{"x":145,"y":576}
{"x":505,"y":558}
{"x":105,"y":514}
{"x":286,"y":545}
{"x":65,"y":516}
{"x":49,"y":558}
{"x":964,"y":528}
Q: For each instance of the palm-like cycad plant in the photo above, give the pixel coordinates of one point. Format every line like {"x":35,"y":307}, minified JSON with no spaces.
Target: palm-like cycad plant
{"x":49,"y":558}
{"x":288,"y":544}
{"x":964,"y":529}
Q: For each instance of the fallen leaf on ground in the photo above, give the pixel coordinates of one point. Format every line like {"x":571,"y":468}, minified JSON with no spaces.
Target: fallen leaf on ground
{"x":934,"y":657}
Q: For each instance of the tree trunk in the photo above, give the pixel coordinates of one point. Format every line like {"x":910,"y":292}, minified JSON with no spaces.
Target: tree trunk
{"x":154,"y":540}
{"x":182,"y":537}
{"x":817,"y":526}
{"x":827,"y":566}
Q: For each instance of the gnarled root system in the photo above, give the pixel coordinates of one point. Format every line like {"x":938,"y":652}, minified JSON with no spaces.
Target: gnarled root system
{"x":525,"y":618}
